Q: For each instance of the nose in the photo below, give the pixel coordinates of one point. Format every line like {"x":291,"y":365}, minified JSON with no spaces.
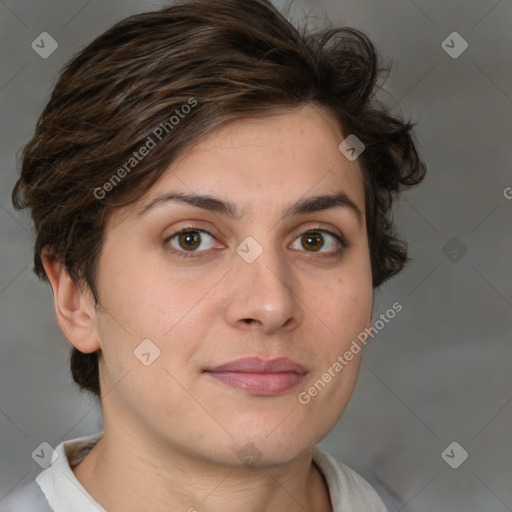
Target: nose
{"x":262,"y":295}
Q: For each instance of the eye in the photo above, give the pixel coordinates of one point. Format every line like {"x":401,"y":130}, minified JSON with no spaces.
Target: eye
{"x":314,"y":241}
{"x":189,"y":240}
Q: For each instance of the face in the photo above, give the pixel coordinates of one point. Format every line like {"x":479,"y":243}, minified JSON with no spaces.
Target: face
{"x":267,"y":279}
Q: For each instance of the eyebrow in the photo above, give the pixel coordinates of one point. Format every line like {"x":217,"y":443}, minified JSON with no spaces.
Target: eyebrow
{"x":221,"y":206}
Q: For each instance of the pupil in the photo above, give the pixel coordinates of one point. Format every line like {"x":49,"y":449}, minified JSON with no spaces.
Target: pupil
{"x":190,"y":238}
{"x":313,"y":240}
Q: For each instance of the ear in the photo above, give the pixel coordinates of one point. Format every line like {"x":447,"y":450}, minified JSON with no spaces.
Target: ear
{"x":74,"y":307}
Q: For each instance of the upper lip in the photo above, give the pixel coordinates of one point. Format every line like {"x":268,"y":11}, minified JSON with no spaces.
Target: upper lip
{"x":259,"y":365}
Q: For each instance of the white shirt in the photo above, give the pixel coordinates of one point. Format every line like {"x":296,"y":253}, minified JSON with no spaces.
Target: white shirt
{"x":64,"y":493}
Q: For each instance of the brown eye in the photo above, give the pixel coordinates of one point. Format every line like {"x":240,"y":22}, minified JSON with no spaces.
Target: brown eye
{"x":317,"y":240}
{"x":188,"y":240}
{"x":312,"y":240}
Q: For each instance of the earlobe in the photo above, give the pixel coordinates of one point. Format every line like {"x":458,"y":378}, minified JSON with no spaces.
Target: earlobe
{"x":74,"y":307}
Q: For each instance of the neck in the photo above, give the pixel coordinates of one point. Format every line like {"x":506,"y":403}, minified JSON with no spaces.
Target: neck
{"x":123,"y":473}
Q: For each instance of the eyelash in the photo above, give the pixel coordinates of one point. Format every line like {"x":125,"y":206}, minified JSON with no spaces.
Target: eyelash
{"x":193,"y":254}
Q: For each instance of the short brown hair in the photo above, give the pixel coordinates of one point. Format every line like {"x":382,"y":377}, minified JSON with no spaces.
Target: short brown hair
{"x":223,"y":60}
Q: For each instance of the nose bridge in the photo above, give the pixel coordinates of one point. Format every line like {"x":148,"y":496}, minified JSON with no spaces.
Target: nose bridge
{"x":263,"y":267}
{"x":262,"y":285}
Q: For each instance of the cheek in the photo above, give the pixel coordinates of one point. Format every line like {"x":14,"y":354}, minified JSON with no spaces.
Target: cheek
{"x":151,"y":302}
{"x":133,"y":289}
{"x":346,"y":305}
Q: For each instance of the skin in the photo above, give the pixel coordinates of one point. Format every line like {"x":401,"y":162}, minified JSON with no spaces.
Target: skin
{"x":171,"y":431}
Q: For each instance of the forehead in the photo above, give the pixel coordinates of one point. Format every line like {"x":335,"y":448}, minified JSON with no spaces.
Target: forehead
{"x":265,"y":163}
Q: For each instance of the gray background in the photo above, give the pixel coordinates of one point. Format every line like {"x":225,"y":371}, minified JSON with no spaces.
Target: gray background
{"x":440,"y":370}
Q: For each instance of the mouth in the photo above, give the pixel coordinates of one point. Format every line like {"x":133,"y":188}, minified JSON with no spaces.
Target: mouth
{"x":257,"y":376}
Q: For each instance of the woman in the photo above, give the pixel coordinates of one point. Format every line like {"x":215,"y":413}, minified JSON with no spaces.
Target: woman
{"x":211,"y":191}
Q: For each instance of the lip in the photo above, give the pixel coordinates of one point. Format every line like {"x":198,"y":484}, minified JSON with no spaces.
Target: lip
{"x":260,"y":365}
{"x":258,"y":376}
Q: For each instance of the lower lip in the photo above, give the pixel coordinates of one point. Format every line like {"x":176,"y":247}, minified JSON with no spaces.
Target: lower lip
{"x":266,"y":384}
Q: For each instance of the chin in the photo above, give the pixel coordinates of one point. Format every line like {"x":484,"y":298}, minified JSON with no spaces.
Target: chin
{"x":259,"y":449}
